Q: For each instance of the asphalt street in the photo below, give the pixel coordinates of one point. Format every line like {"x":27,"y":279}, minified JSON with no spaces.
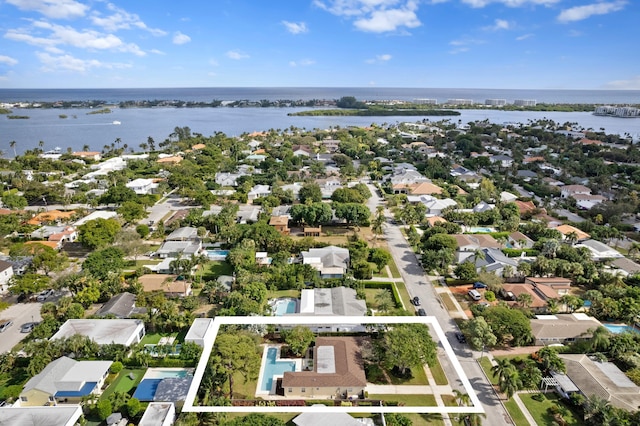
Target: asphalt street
{"x":20,"y":313}
{"x":418,"y":284}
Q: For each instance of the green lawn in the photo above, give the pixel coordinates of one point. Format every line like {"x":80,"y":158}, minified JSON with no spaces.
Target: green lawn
{"x":370,"y":296}
{"x":404,"y":294}
{"x":438,"y":374}
{"x":516,"y":413}
{"x":394,"y":269}
{"x":448,"y":302}
{"x":376,"y":274}
{"x":123,"y":382}
{"x":408,"y":400}
{"x":274,"y":294}
{"x":242,"y":389}
{"x":539,"y":409}
{"x":216,"y":268}
{"x":486,"y":366}
{"x":425,"y":419}
{"x":154,"y":338}
{"x":419,"y":377}
{"x":449,"y":400}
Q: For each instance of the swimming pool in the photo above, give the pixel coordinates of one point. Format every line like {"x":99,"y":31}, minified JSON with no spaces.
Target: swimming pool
{"x":480,"y":229}
{"x":217,"y":254}
{"x":274,"y":367}
{"x":163,"y":373}
{"x":620,"y":328}
{"x":284,"y":306}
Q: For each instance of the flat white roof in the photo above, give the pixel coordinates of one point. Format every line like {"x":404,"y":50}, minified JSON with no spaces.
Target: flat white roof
{"x":326,"y":360}
{"x":199,"y":328}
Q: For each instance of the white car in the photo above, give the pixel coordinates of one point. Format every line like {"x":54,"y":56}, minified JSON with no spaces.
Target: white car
{"x":44,"y":295}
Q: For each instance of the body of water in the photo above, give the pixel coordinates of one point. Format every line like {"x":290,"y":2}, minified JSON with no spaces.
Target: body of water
{"x":137,"y":124}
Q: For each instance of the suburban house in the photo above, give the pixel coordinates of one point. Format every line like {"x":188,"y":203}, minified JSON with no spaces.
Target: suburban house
{"x":571,"y":190}
{"x":600,"y":251}
{"x":55,"y":233}
{"x":520,"y":241}
{"x":602,"y":379}
{"x":436,"y":206}
{"x":626,"y":266}
{"x":6,"y":273}
{"x":507,"y":197}
{"x":503,"y":161}
{"x":121,"y":305}
{"x":406,"y":177}
{"x":88,"y":155}
{"x":52,"y":216}
{"x":301,"y":151}
{"x":494,"y":261}
{"x":569,"y":231}
{"x":469,"y":244}
{"x":64,"y":380}
{"x":331,"y":301}
{"x":322,"y":419}
{"x":62,"y":415}
{"x":331,"y":261}
{"x":588,"y":201}
{"x":435,"y":221}
{"x":179,"y":248}
{"x":281,"y":223}
{"x":200,"y":332}
{"x":561,"y":285}
{"x":104,"y":331}
{"x":562,"y":328}
{"x":186,"y":233}
{"x":338,"y":371}
{"x":98,"y":214}
{"x":539,"y":295}
{"x":259,"y":191}
{"x":158,"y":414}
{"x":228,"y":179}
{"x":143,"y":186}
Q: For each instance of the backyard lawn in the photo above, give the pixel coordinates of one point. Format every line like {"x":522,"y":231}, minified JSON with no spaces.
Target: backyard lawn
{"x":154,"y":338}
{"x":538,"y":409}
{"x":123,"y":382}
{"x":216,"y":268}
{"x":275,"y":294}
{"x":425,"y":419}
{"x":486,"y":366}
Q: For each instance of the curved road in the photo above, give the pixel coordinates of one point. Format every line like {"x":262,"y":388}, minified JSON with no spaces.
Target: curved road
{"x":418,"y":284}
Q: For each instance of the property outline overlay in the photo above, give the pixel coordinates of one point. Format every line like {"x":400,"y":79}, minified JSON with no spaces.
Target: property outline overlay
{"x":324,"y":320}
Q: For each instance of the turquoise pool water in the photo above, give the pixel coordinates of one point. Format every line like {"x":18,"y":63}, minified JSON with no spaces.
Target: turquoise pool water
{"x":619,"y":328}
{"x":274,"y":368}
{"x":284,"y":306}
{"x":217,"y":254}
{"x":481,"y":229}
{"x":160,"y":373}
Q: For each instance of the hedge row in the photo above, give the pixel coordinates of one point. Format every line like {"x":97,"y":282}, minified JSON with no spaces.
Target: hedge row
{"x":511,"y":252}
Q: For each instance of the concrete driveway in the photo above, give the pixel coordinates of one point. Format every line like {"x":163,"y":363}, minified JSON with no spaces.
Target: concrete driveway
{"x":19,"y":313}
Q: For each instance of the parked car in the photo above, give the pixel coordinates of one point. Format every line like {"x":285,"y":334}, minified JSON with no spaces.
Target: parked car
{"x":28,"y":327}
{"x":461,"y":337}
{"x":416,"y":301}
{"x":479,"y":284}
{"x":23,"y":297}
{"x":44,"y":295}
{"x":4,"y":324}
{"x":422,"y":312}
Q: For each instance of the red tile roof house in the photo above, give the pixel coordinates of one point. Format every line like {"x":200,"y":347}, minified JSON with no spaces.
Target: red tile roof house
{"x":338,"y":371}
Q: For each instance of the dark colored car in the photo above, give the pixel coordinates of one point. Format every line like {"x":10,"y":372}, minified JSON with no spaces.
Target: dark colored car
{"x":422,"y":312}
{"x":461,"y":337}
{"x":23,"y":297}
{"x":479,"y":284}
{"x":416,"y":301}
{"x":28,"y":327}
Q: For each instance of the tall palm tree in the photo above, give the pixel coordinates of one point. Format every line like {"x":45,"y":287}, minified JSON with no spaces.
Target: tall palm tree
{"x":12,"y":144}
{"x":500,"y":369}
{"x":599,"y":339}
{"x":462,"y":399}
{"x":511,"y":382}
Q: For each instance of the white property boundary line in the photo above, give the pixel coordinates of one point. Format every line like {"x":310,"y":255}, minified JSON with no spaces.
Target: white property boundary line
{"x":325,"y":320}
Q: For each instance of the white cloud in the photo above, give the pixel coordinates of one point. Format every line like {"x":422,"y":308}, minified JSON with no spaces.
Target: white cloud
{"x":462,"y":45}
{"x":376,"y":16}
{"x":524,"y":36}
{"x":157,"y":52}
{"x":179,"y":38}
{"x":236,"y":54}
{"x":578,"y":13}
{"x":302,"y":63}
{"x":510,"y":3}
{"x":121,"y":19}
{"x":66,"y":35}
{"x":295,"y":27}
{"x":8,"y":60}
{"x":57,"y":9}
{"x":631,"y":84}
{"x":498,"y":24}
{"x":70,"y":63}
{"x":379,"y":59}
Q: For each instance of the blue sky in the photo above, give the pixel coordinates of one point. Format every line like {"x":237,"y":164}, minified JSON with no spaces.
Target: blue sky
{"x":511,"y":44}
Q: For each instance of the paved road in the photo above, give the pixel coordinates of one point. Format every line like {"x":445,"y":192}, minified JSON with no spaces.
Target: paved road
{"x":19,"y":313}
{"x":418,"y":284}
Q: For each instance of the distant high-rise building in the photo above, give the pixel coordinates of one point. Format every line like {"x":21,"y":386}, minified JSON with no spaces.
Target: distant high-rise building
{"x":460,"y":102}
{"x":525,"y":102}
{"x":495,"y":102}
{"x":426,"y":101}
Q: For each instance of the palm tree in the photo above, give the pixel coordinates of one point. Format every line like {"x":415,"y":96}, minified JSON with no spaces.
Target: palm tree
{"x":599,"y":339}
{"x":462,"y":399}
{"x":511,"y":382}
{"x":500,"y":369}
{"x":12,"y":144}
{"x":525,"y":300}
{"x":85,"y":147}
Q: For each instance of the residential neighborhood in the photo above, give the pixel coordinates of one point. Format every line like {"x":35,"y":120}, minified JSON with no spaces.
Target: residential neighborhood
{"x":521,"y":244}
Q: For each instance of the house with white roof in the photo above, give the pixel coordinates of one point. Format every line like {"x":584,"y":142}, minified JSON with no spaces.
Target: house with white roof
{"x":6,"y":273}
{"x":143,"y":186}
{"x":64,"y":380}
{"x":331,"y":301}
{"x":201,"y":332}
{"x":571,"y":190}
{"x":59,"y":415}
{"x":600,"y":251}
{"x":259,"y":191}
{"x":331,"y":261}
{"x":125,"y":332}
{"x":98,"y":214}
